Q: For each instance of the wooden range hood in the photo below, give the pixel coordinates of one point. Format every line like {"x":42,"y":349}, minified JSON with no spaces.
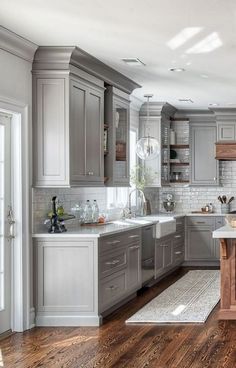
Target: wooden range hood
{"x":226,"y":151}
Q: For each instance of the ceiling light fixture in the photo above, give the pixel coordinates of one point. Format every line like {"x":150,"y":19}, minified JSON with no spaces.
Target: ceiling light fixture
{"x":178,"y":70}
{"x":133,"y":61}
{"x":147,"y":147}
{"x":213,"y":104}
{"x":186,"y":100}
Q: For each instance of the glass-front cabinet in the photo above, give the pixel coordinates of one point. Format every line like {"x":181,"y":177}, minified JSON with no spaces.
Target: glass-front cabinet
{"x":117,"y":115}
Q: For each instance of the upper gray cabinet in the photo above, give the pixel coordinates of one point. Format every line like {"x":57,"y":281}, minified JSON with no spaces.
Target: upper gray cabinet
{"x":226,"y":131}
{"x":117,"y":121}
{"x":68,"y":116}
{"x":157,"y":170}
{"x":226,"y":124}
{"x":68,"y":131}
{"x":204,"y":166}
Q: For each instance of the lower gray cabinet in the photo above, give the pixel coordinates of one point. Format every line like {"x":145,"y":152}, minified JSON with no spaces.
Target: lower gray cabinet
{"x":163,"y":256}
{"x":200,"y":246}
{"x":119,"y":267}
{"x":134,"y":269}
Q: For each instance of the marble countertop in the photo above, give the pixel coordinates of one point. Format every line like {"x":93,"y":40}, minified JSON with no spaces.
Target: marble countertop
{"x":99,"y":231}
{"x":115,"y":226}
{"x":225,"y":232}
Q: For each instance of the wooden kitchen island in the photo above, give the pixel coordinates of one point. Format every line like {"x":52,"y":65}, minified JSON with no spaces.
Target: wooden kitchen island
{"x":227,"y":236}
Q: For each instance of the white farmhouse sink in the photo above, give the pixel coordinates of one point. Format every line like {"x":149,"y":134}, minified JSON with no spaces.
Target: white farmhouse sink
{"x":165,"y":226}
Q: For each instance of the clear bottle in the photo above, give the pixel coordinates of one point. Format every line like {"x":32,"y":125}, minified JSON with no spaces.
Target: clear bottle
{"x":95,"y":211}
{"x":88,"y":213}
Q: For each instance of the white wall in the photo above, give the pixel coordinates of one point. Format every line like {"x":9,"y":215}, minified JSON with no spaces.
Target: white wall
{"x":16,"y":56}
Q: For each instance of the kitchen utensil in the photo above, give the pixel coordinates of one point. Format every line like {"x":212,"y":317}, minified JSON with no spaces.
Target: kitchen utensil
{"x":169,"y":205}
{"x":220,"y":199}
{"x":225,"y":208}
{"x":230,"y":200}
{"x":224,"y":198}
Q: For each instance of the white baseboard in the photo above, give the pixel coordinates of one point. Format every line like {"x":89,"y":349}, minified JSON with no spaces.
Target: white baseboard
{"x":68,"y":321}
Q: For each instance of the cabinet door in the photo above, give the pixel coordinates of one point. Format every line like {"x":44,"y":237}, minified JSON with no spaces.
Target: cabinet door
{"x":50,"y":133}
{"x":204,"y":166}
{"x":94,"y":136}
{"x":167,"y":256}
{"x":134,"y":267}
{"x":121,"y":131}
{"x":163,"y":256}
{"x":226,"y":131}
{"x":159,"y":266}
{"x":200,"y":244}
{"x":86,"y":127}
{"x":152,"y":168}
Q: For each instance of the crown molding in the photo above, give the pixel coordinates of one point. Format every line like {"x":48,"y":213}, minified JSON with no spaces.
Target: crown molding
{"x":158,"y":108}
{"x":63,"y":57}
{"x":17,"y":45}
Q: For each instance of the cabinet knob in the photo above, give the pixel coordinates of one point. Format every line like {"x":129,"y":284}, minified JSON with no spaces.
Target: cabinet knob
{"x":90,"y":173}
{"x":214,"y":178}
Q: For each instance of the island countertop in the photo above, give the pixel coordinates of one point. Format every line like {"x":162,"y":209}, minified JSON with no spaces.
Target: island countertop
{"x":225,"y":232}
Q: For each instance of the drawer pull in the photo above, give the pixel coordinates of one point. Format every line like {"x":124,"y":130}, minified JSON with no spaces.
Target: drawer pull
{"x":90,"y":173}
{"x":178,"y":252}
{"x":133,"y":236}
{"x":178,"y":236}
{"x":113,"y":263}
{"x":179,"y":223}
{"x":163,"y":245}
{"x":113,"y":242}
{"x":135,"y":247}
{"x":200,"y":222}
{"x":112,"y":287}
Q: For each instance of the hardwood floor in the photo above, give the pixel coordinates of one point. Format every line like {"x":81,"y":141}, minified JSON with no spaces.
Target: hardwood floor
{"x":212,"y":344}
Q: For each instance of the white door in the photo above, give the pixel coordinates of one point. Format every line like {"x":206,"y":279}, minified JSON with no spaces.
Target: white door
{"x":5,"y":227}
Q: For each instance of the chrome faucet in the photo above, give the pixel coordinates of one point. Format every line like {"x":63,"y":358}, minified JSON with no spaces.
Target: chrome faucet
{"x":144,"y":202}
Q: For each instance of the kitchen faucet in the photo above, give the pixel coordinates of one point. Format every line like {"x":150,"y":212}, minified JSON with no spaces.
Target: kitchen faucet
{"x":144,"y":202}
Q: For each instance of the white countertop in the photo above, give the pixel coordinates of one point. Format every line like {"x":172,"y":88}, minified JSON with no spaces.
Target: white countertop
{"x":225,"y":232}
{"x":98,"y":231}
{"x":115,"y":226}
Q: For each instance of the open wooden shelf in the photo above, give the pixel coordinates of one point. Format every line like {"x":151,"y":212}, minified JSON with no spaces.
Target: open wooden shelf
{"x":179,"y":146}
{"x":179,"y":181}
{"x":179,"y":163}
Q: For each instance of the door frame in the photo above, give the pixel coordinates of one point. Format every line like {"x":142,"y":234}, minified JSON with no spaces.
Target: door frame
{"x":21,"y":262}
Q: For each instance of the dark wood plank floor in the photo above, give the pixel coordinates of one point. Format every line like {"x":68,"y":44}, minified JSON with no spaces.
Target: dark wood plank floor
{"x":212,"y":344}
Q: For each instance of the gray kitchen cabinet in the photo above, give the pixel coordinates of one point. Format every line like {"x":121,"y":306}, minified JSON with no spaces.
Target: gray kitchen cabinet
{"x":86,"y":133}
{"x":169,"y":250}
{"x":134,"y":266}
{"x":204,"y":166}
{"x":117,"y":119}
{"x":200,"y":244}
{"x":219,"y":222}
{"x":201,"y":248}
{"x":151,"y":167}
{"x":226,"y":131}
{"x":68,"y":131}
{"x":68,"y":117}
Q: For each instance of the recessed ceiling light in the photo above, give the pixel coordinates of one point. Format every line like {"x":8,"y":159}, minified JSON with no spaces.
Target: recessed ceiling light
{"x":204,"y":76}
{"x":178,"y":70}
{"x":213,"y":104}
{"x":185,"y":100}
{"x":133,"y":61}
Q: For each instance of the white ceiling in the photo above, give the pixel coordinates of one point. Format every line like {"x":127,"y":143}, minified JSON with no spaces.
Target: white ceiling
{"x":112,"y":30}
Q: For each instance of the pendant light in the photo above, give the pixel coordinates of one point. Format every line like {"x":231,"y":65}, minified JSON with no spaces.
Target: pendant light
{"x":147,"y":148}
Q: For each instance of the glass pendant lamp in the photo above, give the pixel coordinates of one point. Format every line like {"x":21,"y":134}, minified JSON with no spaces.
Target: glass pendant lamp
{"x":147,"y":147}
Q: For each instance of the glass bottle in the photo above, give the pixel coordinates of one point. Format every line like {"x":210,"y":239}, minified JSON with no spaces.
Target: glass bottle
{"x":95,"y":211}
{"x":88,"y":212}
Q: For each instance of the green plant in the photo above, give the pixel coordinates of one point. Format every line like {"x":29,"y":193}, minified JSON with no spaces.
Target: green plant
{"x":142,"y":176}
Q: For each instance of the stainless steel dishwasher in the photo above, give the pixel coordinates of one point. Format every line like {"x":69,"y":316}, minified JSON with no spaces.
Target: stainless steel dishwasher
{"x":148,"y":253}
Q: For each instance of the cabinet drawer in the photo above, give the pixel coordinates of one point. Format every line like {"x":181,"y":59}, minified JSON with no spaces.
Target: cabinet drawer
{"x":178,"y":255}
{"x":200,"y":221}
{"x":179,"y":223}
{"x":117,"y":241}
{"x":178,"y":238}
{"x":112,"y":288}
{"x":112,"y":262}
